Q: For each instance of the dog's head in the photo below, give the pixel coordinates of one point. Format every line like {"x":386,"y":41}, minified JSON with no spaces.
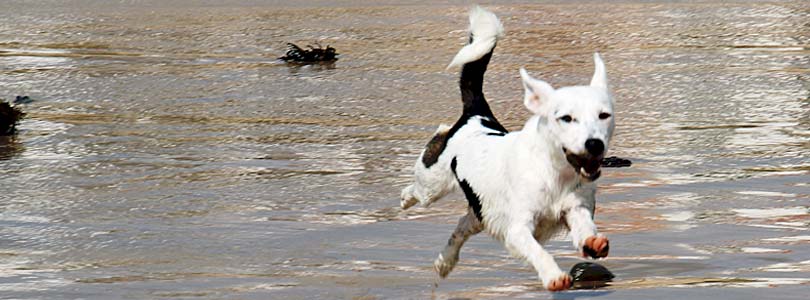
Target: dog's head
{"x":578,"y":118}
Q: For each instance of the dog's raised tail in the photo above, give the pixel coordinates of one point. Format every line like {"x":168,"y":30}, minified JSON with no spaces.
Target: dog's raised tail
{"x":485,"y":29}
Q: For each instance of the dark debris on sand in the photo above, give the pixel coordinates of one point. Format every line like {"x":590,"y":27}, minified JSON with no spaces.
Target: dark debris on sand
{"x":23,"y":100}
{"x":9,"y":117}
{"x":590,"y":275}
{"x":615,"y":162}
{"x":312,"y":54}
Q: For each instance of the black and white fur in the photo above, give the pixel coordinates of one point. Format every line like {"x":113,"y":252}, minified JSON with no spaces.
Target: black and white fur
{"x":523,"y":187}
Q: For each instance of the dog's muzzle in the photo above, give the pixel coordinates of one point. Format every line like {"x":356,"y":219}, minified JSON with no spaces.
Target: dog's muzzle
{"x":586,"y":164}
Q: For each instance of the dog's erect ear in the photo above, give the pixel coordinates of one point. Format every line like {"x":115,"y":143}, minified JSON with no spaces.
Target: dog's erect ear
{"x":599,"y":74}
{"x":538,"y":92}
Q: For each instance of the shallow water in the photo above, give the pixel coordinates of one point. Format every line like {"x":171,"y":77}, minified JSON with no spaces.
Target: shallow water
{"x":170,"y":155}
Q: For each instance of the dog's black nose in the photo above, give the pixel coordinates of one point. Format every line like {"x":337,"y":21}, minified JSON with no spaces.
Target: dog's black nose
{"x":595,"y":147}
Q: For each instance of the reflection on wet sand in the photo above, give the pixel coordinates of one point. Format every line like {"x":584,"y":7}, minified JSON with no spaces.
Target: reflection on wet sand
{"x":10,"y":147}
{"x":535,"y":289}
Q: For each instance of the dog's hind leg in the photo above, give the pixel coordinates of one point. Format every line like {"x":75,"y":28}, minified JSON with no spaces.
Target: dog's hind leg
{"x":428,"y":189}
{"x":432,"y":176}
{"x":468,"y":225}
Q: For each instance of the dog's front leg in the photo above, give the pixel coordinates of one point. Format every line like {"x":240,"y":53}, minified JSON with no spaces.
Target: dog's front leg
{"x":584,"y":233}
{"x":520,"y":241}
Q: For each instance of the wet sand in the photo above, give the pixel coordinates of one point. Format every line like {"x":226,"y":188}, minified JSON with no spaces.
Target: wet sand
{"x":169,"y":155}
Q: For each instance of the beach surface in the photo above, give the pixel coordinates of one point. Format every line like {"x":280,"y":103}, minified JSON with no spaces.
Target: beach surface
{"x":169,"y":155}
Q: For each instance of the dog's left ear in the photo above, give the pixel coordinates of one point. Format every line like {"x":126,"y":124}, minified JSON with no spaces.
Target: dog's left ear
{"x":599,"y":74}
{"x":538,"y":92}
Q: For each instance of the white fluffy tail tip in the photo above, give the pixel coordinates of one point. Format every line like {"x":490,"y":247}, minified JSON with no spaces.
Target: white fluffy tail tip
{"x":484,"y":22}
{"x":485,"y":29}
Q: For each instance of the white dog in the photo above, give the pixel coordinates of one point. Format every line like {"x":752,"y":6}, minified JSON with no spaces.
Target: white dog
{"x":523,"y":187}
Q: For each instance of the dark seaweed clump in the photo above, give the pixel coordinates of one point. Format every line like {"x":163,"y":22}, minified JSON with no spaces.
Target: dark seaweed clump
{"x":9,"y":116}
{"x":588,"y":275}
{"x":615,"y":162}
{"x":23,"y":100}
{"x":312,"y":54}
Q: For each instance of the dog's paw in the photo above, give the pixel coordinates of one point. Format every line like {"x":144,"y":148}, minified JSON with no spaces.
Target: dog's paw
{"x":596,"y":247}
{"x":407,"y":199}
{"x":443,"y":265}
{"x":561,"y":283}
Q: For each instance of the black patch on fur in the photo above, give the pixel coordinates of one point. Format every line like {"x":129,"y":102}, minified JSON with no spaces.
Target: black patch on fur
{"x":494,"y":125}
{"x":472,"y":95}
{"x":434,"y":148}
{"x":471,"y":85}
{"x":472,"y":198}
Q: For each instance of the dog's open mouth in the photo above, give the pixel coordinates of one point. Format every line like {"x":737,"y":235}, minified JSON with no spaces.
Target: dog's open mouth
{"x":588,"y":166}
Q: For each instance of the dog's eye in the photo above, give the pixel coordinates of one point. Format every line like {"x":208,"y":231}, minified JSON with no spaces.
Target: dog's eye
{"x":603,"y":116}
{"x":566,"y":119}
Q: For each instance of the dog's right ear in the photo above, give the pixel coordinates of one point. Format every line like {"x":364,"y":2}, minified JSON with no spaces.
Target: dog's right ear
{"x":538,"y":92}
{"x":599,"y":74}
